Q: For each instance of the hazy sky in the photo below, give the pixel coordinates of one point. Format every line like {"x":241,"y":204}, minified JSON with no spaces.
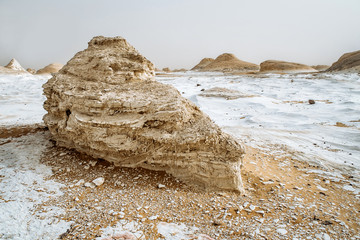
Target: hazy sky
{"x":179,"y":33}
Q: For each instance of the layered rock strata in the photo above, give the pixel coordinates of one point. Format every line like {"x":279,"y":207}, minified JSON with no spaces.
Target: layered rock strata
{"x":349,"y":62}
{"x":105,"y":102}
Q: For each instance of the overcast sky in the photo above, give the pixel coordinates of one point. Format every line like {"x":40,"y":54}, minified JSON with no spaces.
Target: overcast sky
{"x":179,"y":33}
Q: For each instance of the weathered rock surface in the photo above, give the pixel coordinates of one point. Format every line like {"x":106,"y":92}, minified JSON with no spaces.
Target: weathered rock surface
{"x":227,"y":62}
{"x":203,"y":63}
{"x":348,"y":62}
{"x":286,"y":67}
{"x":15,"y":65}
{"x":106,"y":102}
{"x":51,"y":68}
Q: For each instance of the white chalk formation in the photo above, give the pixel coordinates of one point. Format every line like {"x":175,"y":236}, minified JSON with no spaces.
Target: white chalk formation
{"x":105,"y":102}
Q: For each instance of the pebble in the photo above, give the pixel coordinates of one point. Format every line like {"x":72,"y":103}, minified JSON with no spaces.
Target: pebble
{"x":281,"y":231}
{"x":80,"y":182}
{"x":90,"y":185}
{"x":98,"y":181}
{"x":93,"y":163}
{"x":153,"y":217}
{"x":161,"y":185}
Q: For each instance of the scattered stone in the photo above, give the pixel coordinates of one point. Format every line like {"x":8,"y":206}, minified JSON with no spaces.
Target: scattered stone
{"x":99,"y":181}
{"x":281,"y":231}
{"x":90,"y":185}
{"x":153,"y":217}
{"x":161,"y":185}
{"x":311,"y":101}
{"x":80,"y":182}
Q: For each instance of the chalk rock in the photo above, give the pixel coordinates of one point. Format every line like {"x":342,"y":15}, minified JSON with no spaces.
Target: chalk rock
{"x":105,"y":102}
{"x":349,"y":62}
{"x":203,"y":63}
{"x":284,"y":67}
{"x":15,"y":65}
{"x":51,"y":68}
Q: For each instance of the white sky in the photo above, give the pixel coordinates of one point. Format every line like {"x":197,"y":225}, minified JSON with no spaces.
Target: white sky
{"x":179,"y":33}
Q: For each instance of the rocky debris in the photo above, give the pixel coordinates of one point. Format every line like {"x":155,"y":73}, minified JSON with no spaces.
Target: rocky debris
{"x":320,"y":67}
{"x":284,"y":67}
{"x":31,"y":70}
{"x":228,"y":62}
{"x":51,"y":68}
{"x":166,"y":69}
{"x":348,"y":62}
{"x":287,"y":196}
{"x":105,"y":102}
{"x":15,"y":65}
{"x":311,"y":101}
{"x":202,"y":64}
{"x":98,"y":181}
{"x":228,"y":94}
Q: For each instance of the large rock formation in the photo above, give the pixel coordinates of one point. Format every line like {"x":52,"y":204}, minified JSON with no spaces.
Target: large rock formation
{"x":51,"y":68}
{"x":15,"y":65}
{"x":106,"y":102}
{"x":227,"y":62}
{"x":349,"y":62}
{"x":284,"y":67}
{"x":202,"y":64}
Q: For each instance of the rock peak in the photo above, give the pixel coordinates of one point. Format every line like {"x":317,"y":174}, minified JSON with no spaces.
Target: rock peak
{"x":15,"y":65}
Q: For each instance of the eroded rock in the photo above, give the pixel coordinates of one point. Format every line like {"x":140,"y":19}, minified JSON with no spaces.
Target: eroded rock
{"x":105,"y":102}
{"x":349,"y":62}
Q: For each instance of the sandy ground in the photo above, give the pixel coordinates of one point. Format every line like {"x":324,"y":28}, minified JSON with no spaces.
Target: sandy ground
{"x":285,"y":199}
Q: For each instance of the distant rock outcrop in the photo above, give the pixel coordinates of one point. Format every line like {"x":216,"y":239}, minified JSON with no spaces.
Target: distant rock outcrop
{"x":227,"y":62}
{"x":106,"y":102}
{"x":349,"y":62}
{"x":51,"y":68}
{"x":320,"y":67}
{"x":15,"y":65}
{"x":180,"y":70}
{"x":202,"y":64}
{"x":31,"y":70}
{"x":284,"y":67}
